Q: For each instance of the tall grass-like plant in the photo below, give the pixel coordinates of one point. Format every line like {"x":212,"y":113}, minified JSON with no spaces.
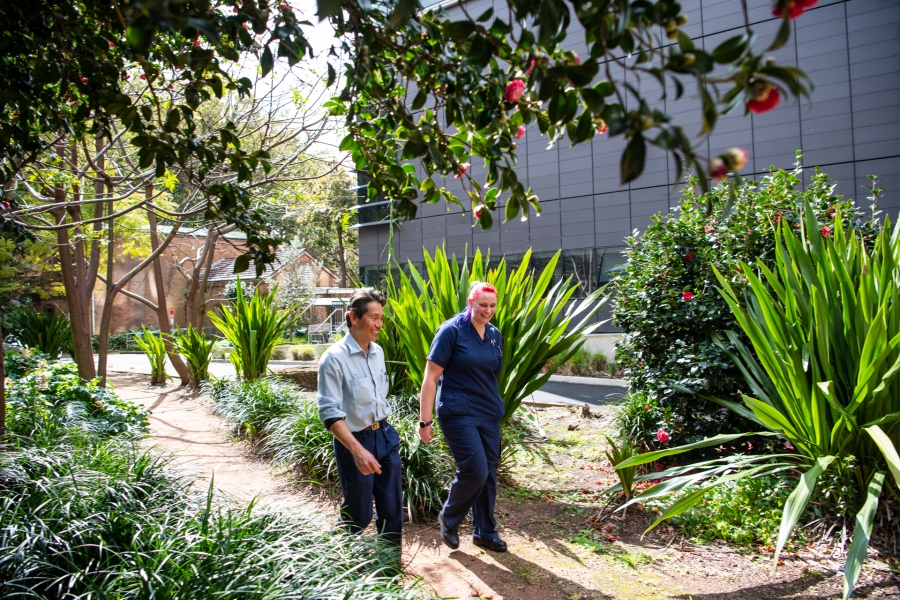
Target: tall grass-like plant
{"x":617,"y":453}
{"x":197,"y":350}
{"x":51,"y":334}
{"x":154,"y":346}
{"x":538,"y":319}
{"x":254,"y":327}
{"x":825,"y":326}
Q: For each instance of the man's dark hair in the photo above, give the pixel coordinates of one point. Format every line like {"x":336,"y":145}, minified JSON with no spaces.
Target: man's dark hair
{"x":358,"y":303}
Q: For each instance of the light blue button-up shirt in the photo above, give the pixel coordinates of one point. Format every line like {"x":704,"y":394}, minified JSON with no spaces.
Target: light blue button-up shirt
{"x":352,"y":385}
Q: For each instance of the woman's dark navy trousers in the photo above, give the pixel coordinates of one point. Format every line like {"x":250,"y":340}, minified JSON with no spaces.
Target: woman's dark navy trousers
{"x":475,"y":445}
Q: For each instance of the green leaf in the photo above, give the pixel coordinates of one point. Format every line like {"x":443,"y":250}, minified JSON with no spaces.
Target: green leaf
{"x":797,"y":501}
{"x":887,"y":449}
{"x":633,"y":158}
{"x":783,"y":35}
{"x":593,"y":99}
{"x":685,"y":42}
{"x":332,"y":75}
{"x":731,"y":50}
{"x":328,"y":8}
{"x":862,"y":533}
{"x":242,"y":263}
{"x":649,"y":457}
{"x":420,"y":99}
{"x":266,"y":62}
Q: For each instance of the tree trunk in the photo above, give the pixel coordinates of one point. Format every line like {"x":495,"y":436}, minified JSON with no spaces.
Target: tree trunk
{"x":192,"y":300}
{"x":82,"y":351}
{"x":184,"y":373}
{"x":103,"y":334}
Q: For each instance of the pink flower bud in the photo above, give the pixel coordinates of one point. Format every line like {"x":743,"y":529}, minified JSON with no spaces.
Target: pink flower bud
{"x":662,"y":436}
{"x":5,"y":205}
{"x":144,"y":77}
{"x":463,"y":169}
{"x":707,"y":229}
{"x":827,"y":231}
{"x":530,"y":68}
{"x":577,"y":58}
{"x":514,"y":90}
{"x":195,"y":43}
{"x":520,"y":132}
{"x":737,"y":157}
{"x":717,"y":169}
{"x":687,"y":296}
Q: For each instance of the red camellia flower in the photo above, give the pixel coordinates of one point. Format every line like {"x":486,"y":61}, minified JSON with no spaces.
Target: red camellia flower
{"x":196,"y":43}
{"x":795,"y":8}
{"x":5,"y":205}
{"x":826,"y":231}
{"x":463,"y":169}
{"x":603,"y":128}
{"x":687,"y":296}
{"x":765,"y":97}
{"x":514,"y":90}
{"x":717,"y":170}
{"x":662,"y":436}
{"x":520,"y":132}
{"x":689,"y":256}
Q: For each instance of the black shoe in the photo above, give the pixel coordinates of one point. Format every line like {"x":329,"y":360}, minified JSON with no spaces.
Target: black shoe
{"x":497,"y":545}
{"x":450,"y":537}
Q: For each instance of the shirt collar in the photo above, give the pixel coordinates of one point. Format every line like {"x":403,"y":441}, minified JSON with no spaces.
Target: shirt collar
{"x":354,"y":347}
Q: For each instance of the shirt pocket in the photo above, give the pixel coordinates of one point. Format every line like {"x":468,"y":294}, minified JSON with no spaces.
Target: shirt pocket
{"x":363,"y":393}
{"x":452,"y":403}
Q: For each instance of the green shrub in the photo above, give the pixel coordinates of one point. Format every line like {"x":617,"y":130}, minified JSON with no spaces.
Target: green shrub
{"x":154,"y":346}
{"x":197,"y":351}
{"x":303,"y":353}
{"x":535,"y":317}
{"x":16,"y":364}
{"x":108,"y":520}
{"x":747,"y":511}
{"x":638,"y":419}
{"x":824,"y":326}
{"x":667,"y":344}
{"x":50,"y":398}
{"x":286,"y":424}
{"x":50,"y":334}
{"x":254,"y":327}
{"x":584,"y":363}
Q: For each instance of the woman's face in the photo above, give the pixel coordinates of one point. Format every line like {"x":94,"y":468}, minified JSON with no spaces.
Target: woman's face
{"x":483,"y":307}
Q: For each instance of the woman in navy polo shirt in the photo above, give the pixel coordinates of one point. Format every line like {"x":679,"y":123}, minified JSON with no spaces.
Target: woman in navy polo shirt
{"x":461,"y":374}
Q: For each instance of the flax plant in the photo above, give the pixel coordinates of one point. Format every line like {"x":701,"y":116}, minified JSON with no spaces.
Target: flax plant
{"x":197,"y":351}
{"x":825,"y":328}
{"x":154,"y":346}
{"x":539,"y":320}
{"x":254,"y":327}
{"x":51,"y":334}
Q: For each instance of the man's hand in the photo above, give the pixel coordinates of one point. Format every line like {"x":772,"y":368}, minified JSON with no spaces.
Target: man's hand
{"x":426,"y":434}
{"x":365,"y":462}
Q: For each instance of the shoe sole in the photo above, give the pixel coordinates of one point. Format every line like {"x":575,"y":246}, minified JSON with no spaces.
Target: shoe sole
{"x":489,"y":547}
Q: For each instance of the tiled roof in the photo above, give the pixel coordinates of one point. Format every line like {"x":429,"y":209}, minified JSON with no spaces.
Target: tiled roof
{"x":223,"y":270}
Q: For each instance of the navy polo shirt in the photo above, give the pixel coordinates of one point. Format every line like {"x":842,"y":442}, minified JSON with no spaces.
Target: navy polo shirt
{"x":468,"y":386}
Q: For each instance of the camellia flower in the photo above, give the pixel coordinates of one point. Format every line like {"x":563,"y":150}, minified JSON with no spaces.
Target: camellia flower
{"x":196,"y":42}
{"x":689,"y":256}
{"x":765,"y":97}
{"x":477,"y":210}
{"x":826,"y":231}
{"x":687,"y":296}
{"x":662,"y":436}
{"x":520,"y":132}
{"x":737,"y":157}
{"x":4,"y":204}
{"x":83,"y":79}
{"x":795,"y":8}
{"x":717,"y":169}
{"x":603,"y":127}
{"x":514,"y":90}
{"x":463,"y":169}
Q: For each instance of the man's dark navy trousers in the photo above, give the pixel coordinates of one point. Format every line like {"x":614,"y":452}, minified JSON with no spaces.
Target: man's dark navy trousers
{"x":356,"y":509}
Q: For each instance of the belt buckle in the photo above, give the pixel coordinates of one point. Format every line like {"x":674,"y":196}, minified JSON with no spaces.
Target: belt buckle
{"x":376,"y":425}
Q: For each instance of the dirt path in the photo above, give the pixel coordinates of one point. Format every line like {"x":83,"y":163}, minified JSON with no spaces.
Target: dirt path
{"x":555,"y":552}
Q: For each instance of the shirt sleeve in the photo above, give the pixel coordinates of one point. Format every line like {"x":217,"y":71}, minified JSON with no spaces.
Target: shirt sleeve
{"x":330,"y":398}
{"x":443,"y":344}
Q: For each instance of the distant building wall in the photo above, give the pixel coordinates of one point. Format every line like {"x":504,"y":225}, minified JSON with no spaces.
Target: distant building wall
{"x":850,"y":127}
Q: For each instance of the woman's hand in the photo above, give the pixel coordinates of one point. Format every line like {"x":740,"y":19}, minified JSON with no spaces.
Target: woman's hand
{"x":426,"y":434}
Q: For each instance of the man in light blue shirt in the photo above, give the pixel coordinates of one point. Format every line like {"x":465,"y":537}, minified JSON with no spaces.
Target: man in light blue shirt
{"x":352,"y":400}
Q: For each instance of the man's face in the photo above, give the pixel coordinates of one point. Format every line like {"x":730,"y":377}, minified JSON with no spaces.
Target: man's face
{"x":368,"y":325}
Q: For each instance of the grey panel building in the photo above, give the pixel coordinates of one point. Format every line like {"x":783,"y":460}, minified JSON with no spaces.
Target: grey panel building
{"x":850,"y":127}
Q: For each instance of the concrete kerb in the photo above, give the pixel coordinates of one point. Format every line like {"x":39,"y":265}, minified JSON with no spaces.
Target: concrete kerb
{"x":622,"y":383}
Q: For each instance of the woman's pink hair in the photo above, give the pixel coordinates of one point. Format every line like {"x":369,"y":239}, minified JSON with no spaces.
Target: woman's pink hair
{"x":479,"y":287}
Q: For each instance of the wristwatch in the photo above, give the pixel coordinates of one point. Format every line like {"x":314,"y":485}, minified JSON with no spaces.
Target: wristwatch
{"x":423,"y":424}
